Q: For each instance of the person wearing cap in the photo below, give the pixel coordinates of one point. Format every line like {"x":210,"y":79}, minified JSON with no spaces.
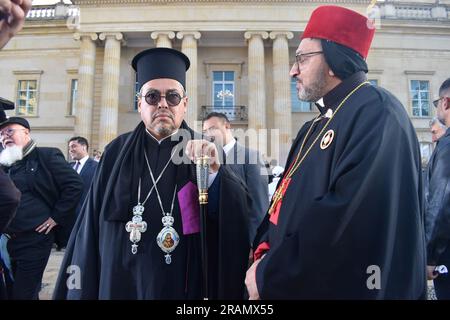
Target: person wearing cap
{"x":345,"y":221}
{"x":437,"y":201}
{"x":50,"y":191}
{"x":144,"y":191}
{"x":12,"y":18}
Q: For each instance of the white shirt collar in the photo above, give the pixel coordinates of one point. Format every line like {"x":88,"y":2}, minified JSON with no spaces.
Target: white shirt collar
{"x":159,"y":141}
{"x":229,"y":146}
{"x":83,"y":160}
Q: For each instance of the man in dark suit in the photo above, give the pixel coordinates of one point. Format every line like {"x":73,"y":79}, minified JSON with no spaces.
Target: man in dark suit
{"x":50,"y":193}
{"x":246,"y":164}
{"x":437,"y":201}
{"x":82,"y":164}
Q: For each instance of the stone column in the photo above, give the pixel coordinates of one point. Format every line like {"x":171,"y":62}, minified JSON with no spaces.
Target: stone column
{"x":86,"y":72}
{"x":257,"y":86}
{"x":163,"y":38}
{"x":282,"y":92}
{"x":189,"y":48}
{"x":110,"y":88}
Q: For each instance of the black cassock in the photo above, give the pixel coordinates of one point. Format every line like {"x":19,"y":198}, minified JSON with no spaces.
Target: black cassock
{"x":100,"y":248}
{"x":350,"y":224}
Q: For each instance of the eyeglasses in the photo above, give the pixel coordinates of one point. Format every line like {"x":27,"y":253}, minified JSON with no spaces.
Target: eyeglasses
{"x":153,"y":97}
{"x":301,"y":57}
{"x":436,"y":102}
{"x":9,"y":132}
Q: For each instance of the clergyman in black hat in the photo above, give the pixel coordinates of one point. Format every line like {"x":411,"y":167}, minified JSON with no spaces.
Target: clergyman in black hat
{"x":144,"y":192}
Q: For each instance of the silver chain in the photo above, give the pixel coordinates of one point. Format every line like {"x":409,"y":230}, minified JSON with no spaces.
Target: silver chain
{"x":151,"y":174}
{"x":156,"y":188}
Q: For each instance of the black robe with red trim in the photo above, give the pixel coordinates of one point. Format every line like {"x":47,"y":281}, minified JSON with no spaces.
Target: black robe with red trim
{"x":99,"y":264}
{"x":350,"y":224}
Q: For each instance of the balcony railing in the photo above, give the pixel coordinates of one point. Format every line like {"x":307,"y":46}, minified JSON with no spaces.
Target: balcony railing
{"x":234,"y":113}
{"x":53,"y":12}
{"x":414,"y":11}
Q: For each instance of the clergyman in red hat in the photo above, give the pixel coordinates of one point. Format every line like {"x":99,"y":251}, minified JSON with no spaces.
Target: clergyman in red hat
{"x":345,"y":221}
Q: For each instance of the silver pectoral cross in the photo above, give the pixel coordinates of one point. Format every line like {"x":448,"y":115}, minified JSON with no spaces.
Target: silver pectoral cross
{"x":135,"y":227}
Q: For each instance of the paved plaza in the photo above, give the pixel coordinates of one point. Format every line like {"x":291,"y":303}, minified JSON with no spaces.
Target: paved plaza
{"x":54,"y":263}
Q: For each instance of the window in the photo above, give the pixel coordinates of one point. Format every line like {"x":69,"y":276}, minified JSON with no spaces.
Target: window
{"x":223,"y":89}
{"x":373,"y":82}
{"x":298,"y":105}
{"x":27,"y":97}
{"x":420,"y":94}
{"x":73,"y":96}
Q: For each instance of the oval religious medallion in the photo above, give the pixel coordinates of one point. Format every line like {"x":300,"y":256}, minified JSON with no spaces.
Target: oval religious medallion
{"x":168,"y":240}
{"x":327,"y":139}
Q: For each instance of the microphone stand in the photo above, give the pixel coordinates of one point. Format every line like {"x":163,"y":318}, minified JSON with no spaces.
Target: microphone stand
{"x":202,"y":165}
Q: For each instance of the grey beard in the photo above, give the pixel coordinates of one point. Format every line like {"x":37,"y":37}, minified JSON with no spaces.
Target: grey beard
{"x":11,"y":155}
{"x":315,"y":91}
{"x":309,"y":95}
{"x":165,"y":132}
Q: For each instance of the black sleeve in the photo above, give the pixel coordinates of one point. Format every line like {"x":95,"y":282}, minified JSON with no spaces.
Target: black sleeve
{"x":82,"y":252}
{"x":257,"y":184}
{"x":9,"y":200}
{"x":439,"y":208}
{"x":69,"y":184}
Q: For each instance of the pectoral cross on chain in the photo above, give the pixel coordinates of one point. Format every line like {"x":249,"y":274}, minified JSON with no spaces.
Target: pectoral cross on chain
{"x":135,"y":227}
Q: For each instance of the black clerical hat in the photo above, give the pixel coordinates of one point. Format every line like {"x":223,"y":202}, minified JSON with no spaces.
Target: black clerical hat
{"x":18,"y":120}
{"x":158,"y":63}
{"x":5,"y":105}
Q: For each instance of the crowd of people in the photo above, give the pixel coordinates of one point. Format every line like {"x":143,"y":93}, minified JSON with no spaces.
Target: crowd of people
{"x":350,"y":216}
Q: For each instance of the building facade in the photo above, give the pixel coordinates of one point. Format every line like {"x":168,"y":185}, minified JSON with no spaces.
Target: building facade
{"x":69,"y":70}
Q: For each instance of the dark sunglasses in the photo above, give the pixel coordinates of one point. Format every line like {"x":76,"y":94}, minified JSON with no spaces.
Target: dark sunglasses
{"x":153,"y":97}
{"x":436,"y":102}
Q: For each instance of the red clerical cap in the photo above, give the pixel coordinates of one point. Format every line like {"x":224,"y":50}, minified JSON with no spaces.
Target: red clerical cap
{"x":342,"y":26}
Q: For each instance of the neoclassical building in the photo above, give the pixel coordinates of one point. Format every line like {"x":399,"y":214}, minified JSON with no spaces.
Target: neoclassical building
{"x":69,"y":70}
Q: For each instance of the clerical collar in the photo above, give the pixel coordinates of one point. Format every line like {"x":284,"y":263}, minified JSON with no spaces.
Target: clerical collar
{"x":332,"y":99}
{"x":320,"y":104}
{"x":229,"y":146}
{"x":165,"y":138}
